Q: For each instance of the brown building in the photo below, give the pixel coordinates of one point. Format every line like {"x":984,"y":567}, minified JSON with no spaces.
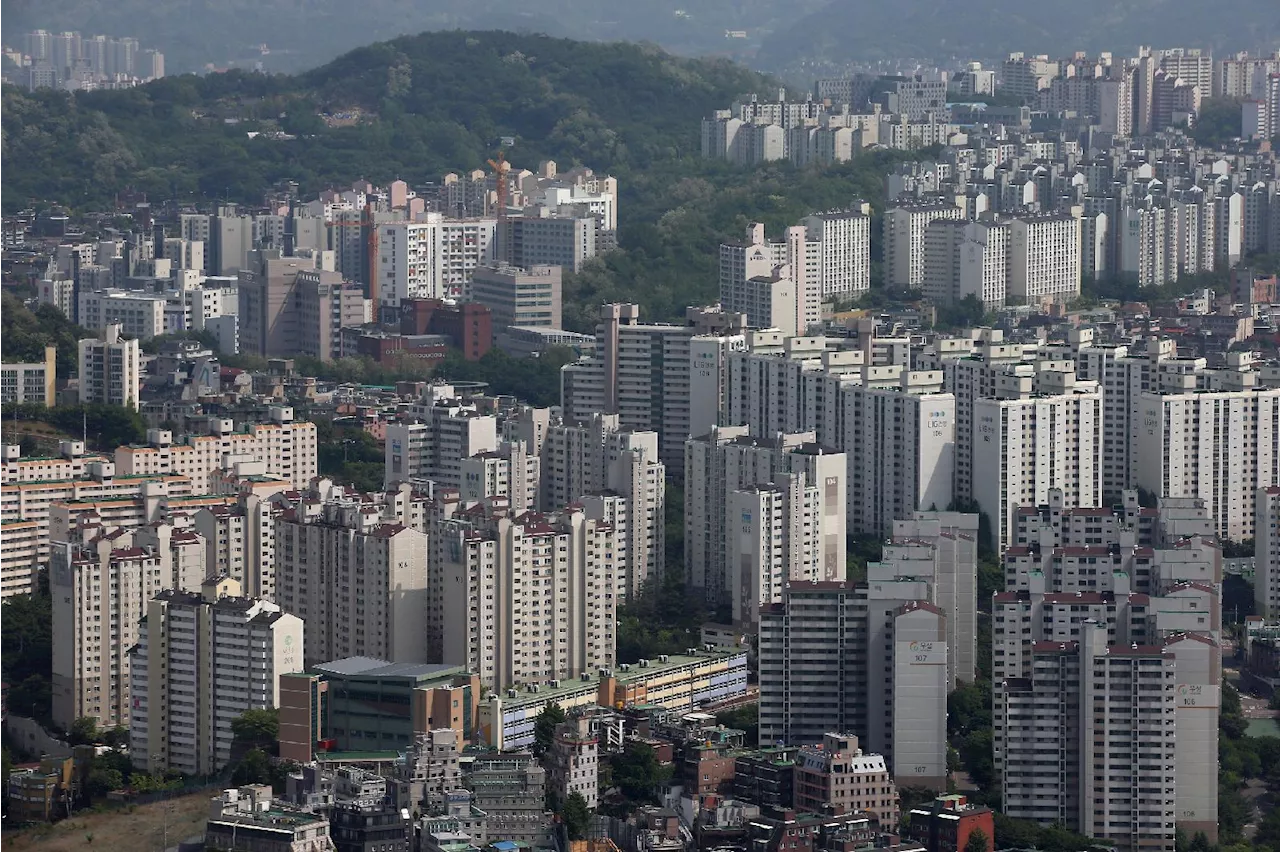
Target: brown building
{"x":708,"y":768}
{"x":287,"y":307}
{"x":385,"y":346}
{"x":469,"y":326}
{"x":946,"y":824}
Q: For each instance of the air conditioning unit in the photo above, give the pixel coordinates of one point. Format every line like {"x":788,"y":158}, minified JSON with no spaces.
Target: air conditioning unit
{"x":555,"y":684}
{"x":664,"y":658}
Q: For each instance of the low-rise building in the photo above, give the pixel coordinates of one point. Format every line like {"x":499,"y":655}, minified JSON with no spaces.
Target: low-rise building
{"x":834,"y":776}
{"x":948,"y":823}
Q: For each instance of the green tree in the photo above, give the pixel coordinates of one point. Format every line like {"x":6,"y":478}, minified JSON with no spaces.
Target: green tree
{"x":576,"y":816}
{"x":253,"y":768}
{"x":1231,"y":721}
{"x":544,"y":727}
{"x":103,"y":780}
{"x":978,"y":842}
{"x":745,"y":718}
{"x":638,"y":774}
{"x":83,"y":731}
{"x":258,"y":729}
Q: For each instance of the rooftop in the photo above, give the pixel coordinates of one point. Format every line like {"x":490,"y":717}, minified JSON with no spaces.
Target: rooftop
{"x":372,"y":667}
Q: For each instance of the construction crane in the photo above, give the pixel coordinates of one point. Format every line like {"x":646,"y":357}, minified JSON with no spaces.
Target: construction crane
{"x":500,"y":168}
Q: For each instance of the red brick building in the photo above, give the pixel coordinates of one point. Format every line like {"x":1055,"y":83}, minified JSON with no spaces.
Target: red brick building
{"x":383,"y":346}
{"x":946,"y":824}
{"x":468,"y":325}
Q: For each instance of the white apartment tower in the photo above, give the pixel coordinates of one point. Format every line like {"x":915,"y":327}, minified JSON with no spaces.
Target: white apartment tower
{"x":110,"y":372}
{"x":731,"y":549}
{"x":793,"y":269}
{"x":1219,"y":446}
{"x":359,"y":583}
{"x":1044,"y":259}
{"x":200,"y":662}
{"x":1025,"y":447}
{"x":530,"y":599}
{"x":432,"y":258}
{"x":433,"y":444}
{"x":100,"y":593}
{"x":965,"y":259}
{"x":843,"y":255}
{"x":904,"y":240}
{"x":286,"y":448}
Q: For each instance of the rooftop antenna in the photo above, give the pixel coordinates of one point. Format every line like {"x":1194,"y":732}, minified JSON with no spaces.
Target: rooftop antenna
{"x":84,"y":427}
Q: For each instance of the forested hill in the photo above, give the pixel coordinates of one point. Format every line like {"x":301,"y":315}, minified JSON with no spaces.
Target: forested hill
{"x":412,"y":108}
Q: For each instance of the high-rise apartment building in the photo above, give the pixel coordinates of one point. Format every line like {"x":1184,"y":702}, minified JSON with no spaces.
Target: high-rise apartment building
{"x":285,"y":448}
{"x":357,"y":581}
{"x":843,"y":397}
{"x":904,"y":240}
{"x":433,"y":444}
{"x":941,"y":550}
{"x":835,"y":656}
{"x":325,"y":304}
{"x":1024,"y":77}
{"x":645,"y":373}
{"x":1219,"y":446}
{"x":432,"y":257}
{"x":1143,"y":578}
{"x":964,"y":259}
{"x":1025,"y":447}
{"x":99,"y":596}
{"x":201,"y":661}
{"x":1266,"y":583}
{"x":110,"y":372}
{"x":564,"y":241}
{"x":1044,"y":259}
{"x":139,"y":315}
{"x":844,"y":250}
{"x":742,"y":535}
{"x":527,"y":600}
{"x":775,"y":284}
{"x":617,"y":478}
{"x":287,"y":307}
{"x":1091,"y":737}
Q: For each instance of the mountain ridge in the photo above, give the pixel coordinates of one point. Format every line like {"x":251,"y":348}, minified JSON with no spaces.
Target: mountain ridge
{"x":428,"y":104}
{"x":867,"y":30}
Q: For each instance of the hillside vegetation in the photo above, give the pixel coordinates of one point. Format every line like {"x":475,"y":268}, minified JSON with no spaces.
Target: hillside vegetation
{"x":426,"y":104}
{"x":301,"y":34}
{"x":439,"y":102}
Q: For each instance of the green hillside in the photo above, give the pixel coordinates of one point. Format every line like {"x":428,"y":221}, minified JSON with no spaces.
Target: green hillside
{"x":300,"y":34}
{"x":428,"y":104}
{"x":440,"y":102}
